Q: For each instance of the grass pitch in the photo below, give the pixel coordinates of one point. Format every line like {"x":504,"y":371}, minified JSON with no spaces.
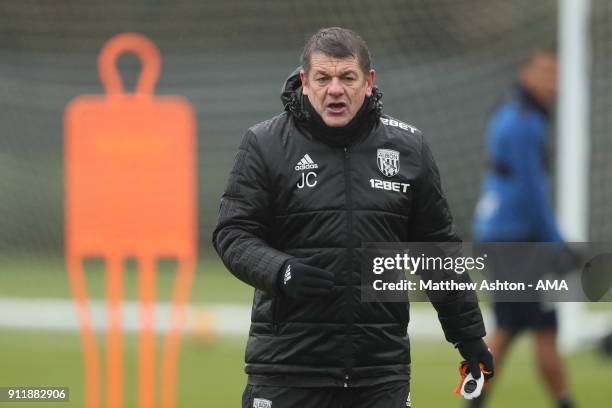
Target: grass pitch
{"x":212,"y":374}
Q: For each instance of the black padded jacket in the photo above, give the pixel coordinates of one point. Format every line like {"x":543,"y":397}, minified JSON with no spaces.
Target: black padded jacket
{"x":301,"y":190}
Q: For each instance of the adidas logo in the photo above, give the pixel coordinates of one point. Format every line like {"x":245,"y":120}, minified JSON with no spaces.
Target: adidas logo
{"x":306,"y":163}
{"x":287,"y":276}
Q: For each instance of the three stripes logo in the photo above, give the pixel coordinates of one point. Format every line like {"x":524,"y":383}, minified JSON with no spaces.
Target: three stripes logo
{"x":306,"y":163}
{"x":287,"y":276}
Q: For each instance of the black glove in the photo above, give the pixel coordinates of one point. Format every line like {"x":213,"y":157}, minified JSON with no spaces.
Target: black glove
{"x":300,"y":281}
{"x":476,"y":352}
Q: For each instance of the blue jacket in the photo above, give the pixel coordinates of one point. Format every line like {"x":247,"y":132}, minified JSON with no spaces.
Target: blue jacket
{"x":515,"y":200}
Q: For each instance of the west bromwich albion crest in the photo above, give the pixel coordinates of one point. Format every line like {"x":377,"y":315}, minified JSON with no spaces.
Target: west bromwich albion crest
{"x":388,"y":162}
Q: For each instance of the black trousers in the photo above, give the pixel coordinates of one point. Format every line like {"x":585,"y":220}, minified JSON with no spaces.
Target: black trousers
{"x":387,"y":395}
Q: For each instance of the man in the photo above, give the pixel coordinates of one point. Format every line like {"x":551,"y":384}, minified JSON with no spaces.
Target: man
{"x":298,"y":205}
{"x":515,"y":206}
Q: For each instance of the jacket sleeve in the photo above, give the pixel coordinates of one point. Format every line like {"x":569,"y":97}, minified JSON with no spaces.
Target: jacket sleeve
{"x":242,"y":233}
{"x":458,"y":311}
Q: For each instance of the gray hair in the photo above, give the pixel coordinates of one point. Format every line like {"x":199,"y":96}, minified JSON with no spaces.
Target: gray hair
{"x":337,"y":42}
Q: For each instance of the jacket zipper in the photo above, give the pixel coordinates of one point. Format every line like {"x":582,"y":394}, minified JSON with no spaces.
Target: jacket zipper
{"x":347,"y":290}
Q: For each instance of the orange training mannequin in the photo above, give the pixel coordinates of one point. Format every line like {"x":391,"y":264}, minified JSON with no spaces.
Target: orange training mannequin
{"x":130,"y":190}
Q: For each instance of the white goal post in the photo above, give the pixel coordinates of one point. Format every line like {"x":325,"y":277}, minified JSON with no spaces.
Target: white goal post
{"x":573,"y":148}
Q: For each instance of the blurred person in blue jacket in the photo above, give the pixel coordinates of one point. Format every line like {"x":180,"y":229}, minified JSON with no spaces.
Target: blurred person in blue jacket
{"x":515,"y":206}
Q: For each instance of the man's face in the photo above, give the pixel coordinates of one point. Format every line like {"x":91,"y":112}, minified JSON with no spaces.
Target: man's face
{"x":540,"y":76}
{"x":336,"y":88}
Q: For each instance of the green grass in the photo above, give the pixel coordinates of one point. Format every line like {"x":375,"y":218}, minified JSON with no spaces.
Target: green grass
{"x":212,"y":283}
{"x":517,"y":384}
{"x":212,"y":375}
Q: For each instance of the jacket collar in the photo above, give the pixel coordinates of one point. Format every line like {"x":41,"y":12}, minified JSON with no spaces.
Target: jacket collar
{"x":301,"y":109}
{"x":530,"y":101}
